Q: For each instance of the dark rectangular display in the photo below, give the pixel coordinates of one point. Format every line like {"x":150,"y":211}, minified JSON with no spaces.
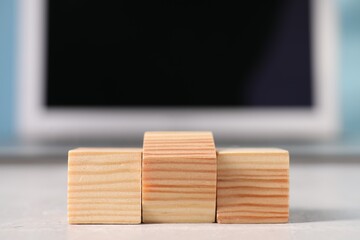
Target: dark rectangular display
{"x":178,"y":54}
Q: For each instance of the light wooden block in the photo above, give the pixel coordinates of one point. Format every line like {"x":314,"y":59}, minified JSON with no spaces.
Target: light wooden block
{"x":104,"y":186}
{"x":253,"y":186}
{"x":179,"y":177}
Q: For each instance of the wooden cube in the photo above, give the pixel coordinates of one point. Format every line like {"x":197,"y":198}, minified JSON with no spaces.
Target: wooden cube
{"x":253,"y":186}
{"x":104,"y":186}
{"x":179,"y":177}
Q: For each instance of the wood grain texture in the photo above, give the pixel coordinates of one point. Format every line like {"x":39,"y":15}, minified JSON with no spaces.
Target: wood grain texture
{"x":104,"y":186}
{"x":253,"y":186}
{"x":179,"y":177}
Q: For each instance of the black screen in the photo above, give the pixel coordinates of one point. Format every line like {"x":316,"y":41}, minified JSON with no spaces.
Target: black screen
{"x":178,"y":54}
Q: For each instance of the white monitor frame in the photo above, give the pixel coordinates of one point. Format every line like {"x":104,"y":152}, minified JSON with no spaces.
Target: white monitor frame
{"x":35,"y":122}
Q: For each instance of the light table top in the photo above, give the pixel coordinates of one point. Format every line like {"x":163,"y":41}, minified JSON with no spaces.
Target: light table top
{"x":324,"y":204}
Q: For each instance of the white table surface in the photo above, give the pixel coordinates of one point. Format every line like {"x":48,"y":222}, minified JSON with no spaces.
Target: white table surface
{"x":325,"y":204}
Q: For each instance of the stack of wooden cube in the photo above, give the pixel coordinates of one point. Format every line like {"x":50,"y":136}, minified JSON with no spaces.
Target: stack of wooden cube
{"x":178,"y":177}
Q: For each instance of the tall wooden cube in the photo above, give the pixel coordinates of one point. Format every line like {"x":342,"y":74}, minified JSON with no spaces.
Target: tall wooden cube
{"x":253,"y":186}
{"x":104,"y":186}
{"x":179,"y":177}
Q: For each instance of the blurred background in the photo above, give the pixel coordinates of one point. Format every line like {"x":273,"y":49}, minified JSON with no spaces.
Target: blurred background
{"x":280,"y":73}
{"x":347,"y":88}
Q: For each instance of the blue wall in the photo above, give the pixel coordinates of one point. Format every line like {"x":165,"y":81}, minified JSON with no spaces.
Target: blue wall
{"x":7,"y":65}
{"x":350,"y":66}
{"x":349,"y":59}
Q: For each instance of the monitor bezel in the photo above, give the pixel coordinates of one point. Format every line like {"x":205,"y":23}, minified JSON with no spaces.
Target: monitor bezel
{"x":37,"y":122}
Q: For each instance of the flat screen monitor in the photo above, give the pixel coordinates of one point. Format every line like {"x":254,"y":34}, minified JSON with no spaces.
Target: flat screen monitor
{"x":242,"y":69}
